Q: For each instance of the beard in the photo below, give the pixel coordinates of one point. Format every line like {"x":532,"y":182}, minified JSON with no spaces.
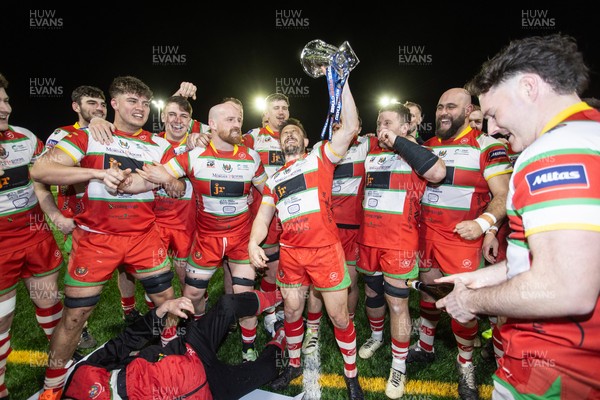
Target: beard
{"x":234,"y":137}
{"x":292,"y":149}
{"x":452,"y":130}
{"x":87,"y":116}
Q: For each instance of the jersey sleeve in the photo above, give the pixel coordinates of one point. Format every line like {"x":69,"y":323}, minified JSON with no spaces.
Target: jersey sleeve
{"x":494,"y":158}
{"x":39,"y":148}
{"x":75,"y":145}
{"x":179,"y":164}
{"x":268,"y":197}
{"x":260,"y":175}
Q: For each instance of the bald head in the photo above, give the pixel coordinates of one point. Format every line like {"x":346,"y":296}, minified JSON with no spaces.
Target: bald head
{"x":225,"y":121}
{"x":451,"y":112}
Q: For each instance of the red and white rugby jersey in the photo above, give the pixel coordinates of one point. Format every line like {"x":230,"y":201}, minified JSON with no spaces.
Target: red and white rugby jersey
{"x":348,"y":182}
{"x":123,"y":214}
{"x":301,"y":192}
{"x":67,"y":197}
{"x":22,"y":222}
{"x":555,"y":186}
{"x":472,"y":158}
{"x":221,"y":181}
{"x":391,"y":205}
{"x":176,"y":213}
{"x":266,"y":142}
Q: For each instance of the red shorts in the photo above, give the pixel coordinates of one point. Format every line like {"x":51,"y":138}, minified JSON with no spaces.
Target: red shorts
{"x":449,"y":257}
{"x":208,"y":251}
{"x":42,"y":258}
{"x":348,"y":238}
{"x":95,"y":256}
{"x":323,"y":267}
{"x":177,"y":241}
{"x":398,"y":264}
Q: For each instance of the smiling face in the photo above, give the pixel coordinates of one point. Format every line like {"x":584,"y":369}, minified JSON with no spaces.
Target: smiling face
{"x":176,"y":120}
{"x":507,"y":109}
{"x":451,"y":113}
{"x":292,"y":141}
{"x":476,"y":120}
{"x":226,"y":121}
{"x":131,"y":111}
{"x":89,"y":108}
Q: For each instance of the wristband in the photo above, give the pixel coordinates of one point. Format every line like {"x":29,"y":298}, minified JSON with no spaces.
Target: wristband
{"x":490,"y":216}
{"x":493,"y":230}
{"x":483,"y":224}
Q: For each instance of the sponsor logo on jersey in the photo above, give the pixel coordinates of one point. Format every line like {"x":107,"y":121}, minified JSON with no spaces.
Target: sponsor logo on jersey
{"x":500,"y":153}
{"x":559,"y":177}
{"x":51,"y":143}
{"x":3,"y":153}
{"x":210,"y":164}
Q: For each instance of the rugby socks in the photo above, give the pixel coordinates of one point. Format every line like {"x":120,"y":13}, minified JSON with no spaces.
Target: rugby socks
{"x":5,"y":350}
{"x":55,"y":377}
{"x":376,"y":324}
{"x":346,"y":340}
{"x":267,"y":287}
{"x":248,"y":337}
{"x":430,"y":316}
{"x":267,"y":300}
{"x":149,"y":302}
{"x":465,"y":337}
{"x":294,"y":333}
{"x":399,"y":353}
{"x":128,"y":304}
{"x":313,"y":321}
{"x":49,"y":317}
{"x":497,"y":342}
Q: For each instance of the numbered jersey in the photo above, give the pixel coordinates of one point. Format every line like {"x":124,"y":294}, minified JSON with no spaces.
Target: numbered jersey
{"x":391,"y":205}
{"x":301,"y":191}
{"x":472,"y":158}
{"x":221,"y":181}
{"x":555,"y":186}
{"x":22,"y":222}
{"x":176,"y":213}
{"x":123,"y":214}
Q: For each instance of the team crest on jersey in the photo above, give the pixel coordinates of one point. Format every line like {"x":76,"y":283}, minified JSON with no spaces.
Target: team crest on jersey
{"x":124,"y":144}
{"x":81,"y":271}
{"x":381,"y":160}
{"x":443,"y":153}
{"x":197,"y":255}
{"x":227,"y":168}
{"x":559,"y":177}
{"x":3,"y":153}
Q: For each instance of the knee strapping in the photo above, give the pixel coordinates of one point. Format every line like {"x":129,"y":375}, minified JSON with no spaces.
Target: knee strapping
{"x":394,"y":291}
{"x":273,"y":257}
{"x":197,"y":283}
{"x":375,"y":283}
{"x":242,"y":281}
{"x":78,"y":302}
{"x":157,"y":283}
{"x":7,"y":307}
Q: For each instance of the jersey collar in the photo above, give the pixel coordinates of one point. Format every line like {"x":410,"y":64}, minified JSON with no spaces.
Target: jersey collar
{"x":564,"y":114}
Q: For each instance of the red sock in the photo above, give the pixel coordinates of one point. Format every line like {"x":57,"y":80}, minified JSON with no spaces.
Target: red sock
{"x":128,"y":304}
{"x":465,"y":337}
{"x":346,"y":340}
{"x":49,"y":317}
{"x":267,"y":299}
{"x":294,"y":333}
{"x":149,"y":302}
{"x":430,"y":316}
{"x":313,"y":320}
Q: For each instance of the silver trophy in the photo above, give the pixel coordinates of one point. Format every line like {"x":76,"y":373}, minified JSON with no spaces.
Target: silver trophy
{"x":317,"y":54}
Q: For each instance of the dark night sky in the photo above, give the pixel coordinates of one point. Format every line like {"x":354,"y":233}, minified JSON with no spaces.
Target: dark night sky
{"x":247,"y":52}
